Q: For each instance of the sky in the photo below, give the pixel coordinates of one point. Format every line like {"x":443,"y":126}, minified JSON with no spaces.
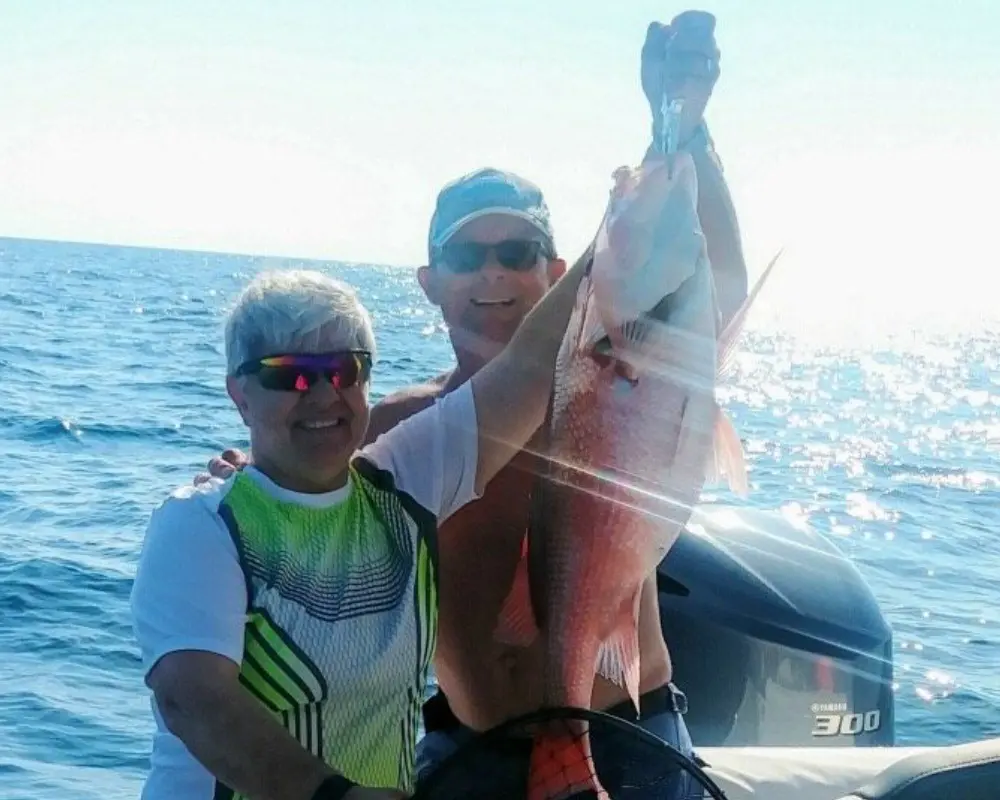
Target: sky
{"x":864,"y":138}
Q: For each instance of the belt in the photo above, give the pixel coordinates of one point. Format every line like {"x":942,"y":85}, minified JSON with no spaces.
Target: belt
{"x":438,"y":715}
{"x":656,"y":701}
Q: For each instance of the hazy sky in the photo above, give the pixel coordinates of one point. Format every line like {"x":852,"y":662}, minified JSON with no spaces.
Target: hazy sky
{"x":861,"y":136}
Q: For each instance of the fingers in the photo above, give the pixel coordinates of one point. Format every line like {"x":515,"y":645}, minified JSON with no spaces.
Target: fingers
{"x":202,"y":477}
{"x":235,"y":457}
{"x":694,"y":31}
{"x":218,"y":468}
{"x":657,"y":36}
{"x":692,"y":54}
{"x":651,"y":61}
{"x":680,"y":58}
{"x":691,"y":65}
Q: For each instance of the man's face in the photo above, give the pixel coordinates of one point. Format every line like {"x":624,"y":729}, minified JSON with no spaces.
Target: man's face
{"x":483,"y":306}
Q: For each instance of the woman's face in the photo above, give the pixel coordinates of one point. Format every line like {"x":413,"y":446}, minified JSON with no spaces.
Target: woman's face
{"x":305,"y":425}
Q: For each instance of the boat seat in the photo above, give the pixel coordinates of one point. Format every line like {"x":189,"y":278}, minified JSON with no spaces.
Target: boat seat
{"x":960,"y":772}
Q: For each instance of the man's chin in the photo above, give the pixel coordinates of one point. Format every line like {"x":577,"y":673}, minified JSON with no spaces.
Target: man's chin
{"x":487,"y":333}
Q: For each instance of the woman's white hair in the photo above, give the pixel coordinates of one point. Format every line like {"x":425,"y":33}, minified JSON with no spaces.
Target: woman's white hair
{"x":279,"y":311}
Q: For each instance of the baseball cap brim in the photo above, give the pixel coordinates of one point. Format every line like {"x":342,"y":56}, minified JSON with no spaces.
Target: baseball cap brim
{"x":445,"y":235}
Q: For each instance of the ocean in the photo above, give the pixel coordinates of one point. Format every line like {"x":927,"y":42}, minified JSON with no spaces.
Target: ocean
{"x":111,"y":394}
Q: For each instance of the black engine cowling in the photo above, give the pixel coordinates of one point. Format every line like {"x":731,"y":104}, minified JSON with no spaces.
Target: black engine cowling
{"x":775,"y":636}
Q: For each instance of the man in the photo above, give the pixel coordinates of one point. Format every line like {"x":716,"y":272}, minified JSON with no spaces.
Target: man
{"x":484,"y":274}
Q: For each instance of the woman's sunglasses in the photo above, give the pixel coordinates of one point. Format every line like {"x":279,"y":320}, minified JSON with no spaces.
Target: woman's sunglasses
{"x":519,"y":255}
{"x":300,"y":372}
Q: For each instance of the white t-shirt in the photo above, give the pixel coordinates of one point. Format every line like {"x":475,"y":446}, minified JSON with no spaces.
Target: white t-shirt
{"x":190,"y":590}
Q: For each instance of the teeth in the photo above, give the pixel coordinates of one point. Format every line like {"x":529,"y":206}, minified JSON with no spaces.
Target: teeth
{"x":323,"y":423}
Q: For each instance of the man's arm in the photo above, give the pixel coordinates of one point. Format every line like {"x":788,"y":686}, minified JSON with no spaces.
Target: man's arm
{"x":717,"y":216}
{"x":721,"y":228}
{"x":683,"y":59}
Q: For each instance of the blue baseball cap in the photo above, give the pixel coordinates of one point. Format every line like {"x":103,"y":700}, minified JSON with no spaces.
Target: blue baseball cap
{"x":487,"y":191}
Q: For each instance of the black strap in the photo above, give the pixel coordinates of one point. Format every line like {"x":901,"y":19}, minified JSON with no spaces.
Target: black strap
{"x":334,"y":788}
{"x":667,"y":698}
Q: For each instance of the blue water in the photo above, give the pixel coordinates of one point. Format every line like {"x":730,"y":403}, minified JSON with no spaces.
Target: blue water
{"x":111,"y":386}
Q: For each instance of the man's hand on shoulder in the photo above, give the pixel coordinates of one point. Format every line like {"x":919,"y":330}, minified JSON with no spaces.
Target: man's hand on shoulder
{"x":224,"y":465}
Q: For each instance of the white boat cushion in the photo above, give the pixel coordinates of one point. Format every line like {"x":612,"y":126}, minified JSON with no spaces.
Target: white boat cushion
{"x":961,"y":772}
{"x":798,"y":773}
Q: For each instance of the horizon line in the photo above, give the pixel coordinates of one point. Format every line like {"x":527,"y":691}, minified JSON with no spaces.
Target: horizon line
{"x":201,"y":251}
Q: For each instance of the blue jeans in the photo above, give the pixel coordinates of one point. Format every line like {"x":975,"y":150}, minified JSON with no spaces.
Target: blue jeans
{"x":618,"y":761}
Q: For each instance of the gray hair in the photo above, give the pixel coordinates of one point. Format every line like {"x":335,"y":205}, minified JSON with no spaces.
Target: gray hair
{"x":286,"y":309}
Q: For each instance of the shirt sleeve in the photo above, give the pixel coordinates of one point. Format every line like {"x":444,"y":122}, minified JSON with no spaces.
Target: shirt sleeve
{"x":189,"y":591}
{"x":433,"y":455}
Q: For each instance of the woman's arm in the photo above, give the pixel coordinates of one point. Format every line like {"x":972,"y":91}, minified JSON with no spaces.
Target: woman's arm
{"x":204,"y":705}
{"x":189,"y":605}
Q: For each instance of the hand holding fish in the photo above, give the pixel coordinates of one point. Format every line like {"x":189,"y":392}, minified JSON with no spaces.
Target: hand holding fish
{"x":680,"y":61}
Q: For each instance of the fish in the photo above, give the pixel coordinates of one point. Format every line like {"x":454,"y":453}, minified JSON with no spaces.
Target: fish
{"x":633,"y":432}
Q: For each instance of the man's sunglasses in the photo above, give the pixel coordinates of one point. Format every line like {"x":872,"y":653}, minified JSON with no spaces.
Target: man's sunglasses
{"x":300,"y":372}
{"x":519,"y":255}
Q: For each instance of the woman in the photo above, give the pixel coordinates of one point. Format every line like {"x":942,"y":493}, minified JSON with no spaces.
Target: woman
{"x":287,"y":615}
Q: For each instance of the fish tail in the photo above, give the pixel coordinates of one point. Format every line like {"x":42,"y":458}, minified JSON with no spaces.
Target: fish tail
{"x":562,"y":765}
{"x":516,"y":624}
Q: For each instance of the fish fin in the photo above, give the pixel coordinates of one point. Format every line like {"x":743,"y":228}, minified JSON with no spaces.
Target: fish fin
{"x":561,"y":763}
{"x":731,"y":334}
{"x":635,"y":331}
{"x":605,"y":350}
{"x":608,"y":345}
{"x":727,"y":459}
{"x":618,"y":657}
{"x":516,"y":624}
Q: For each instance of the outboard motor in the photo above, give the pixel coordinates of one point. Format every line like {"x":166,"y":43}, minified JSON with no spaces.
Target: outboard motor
{"x":775,"y":637}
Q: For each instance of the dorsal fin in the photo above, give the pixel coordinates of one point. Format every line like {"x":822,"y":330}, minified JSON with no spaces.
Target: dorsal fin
{"x":732,"y":331}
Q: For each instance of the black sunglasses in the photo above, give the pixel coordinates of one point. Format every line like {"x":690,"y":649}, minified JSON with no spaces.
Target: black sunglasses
{"x":519,"y":255}
{"x":299,"y":372}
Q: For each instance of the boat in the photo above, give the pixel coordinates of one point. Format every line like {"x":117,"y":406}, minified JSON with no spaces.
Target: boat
{"x":786,"y":659}
{"x":957,"y":772}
